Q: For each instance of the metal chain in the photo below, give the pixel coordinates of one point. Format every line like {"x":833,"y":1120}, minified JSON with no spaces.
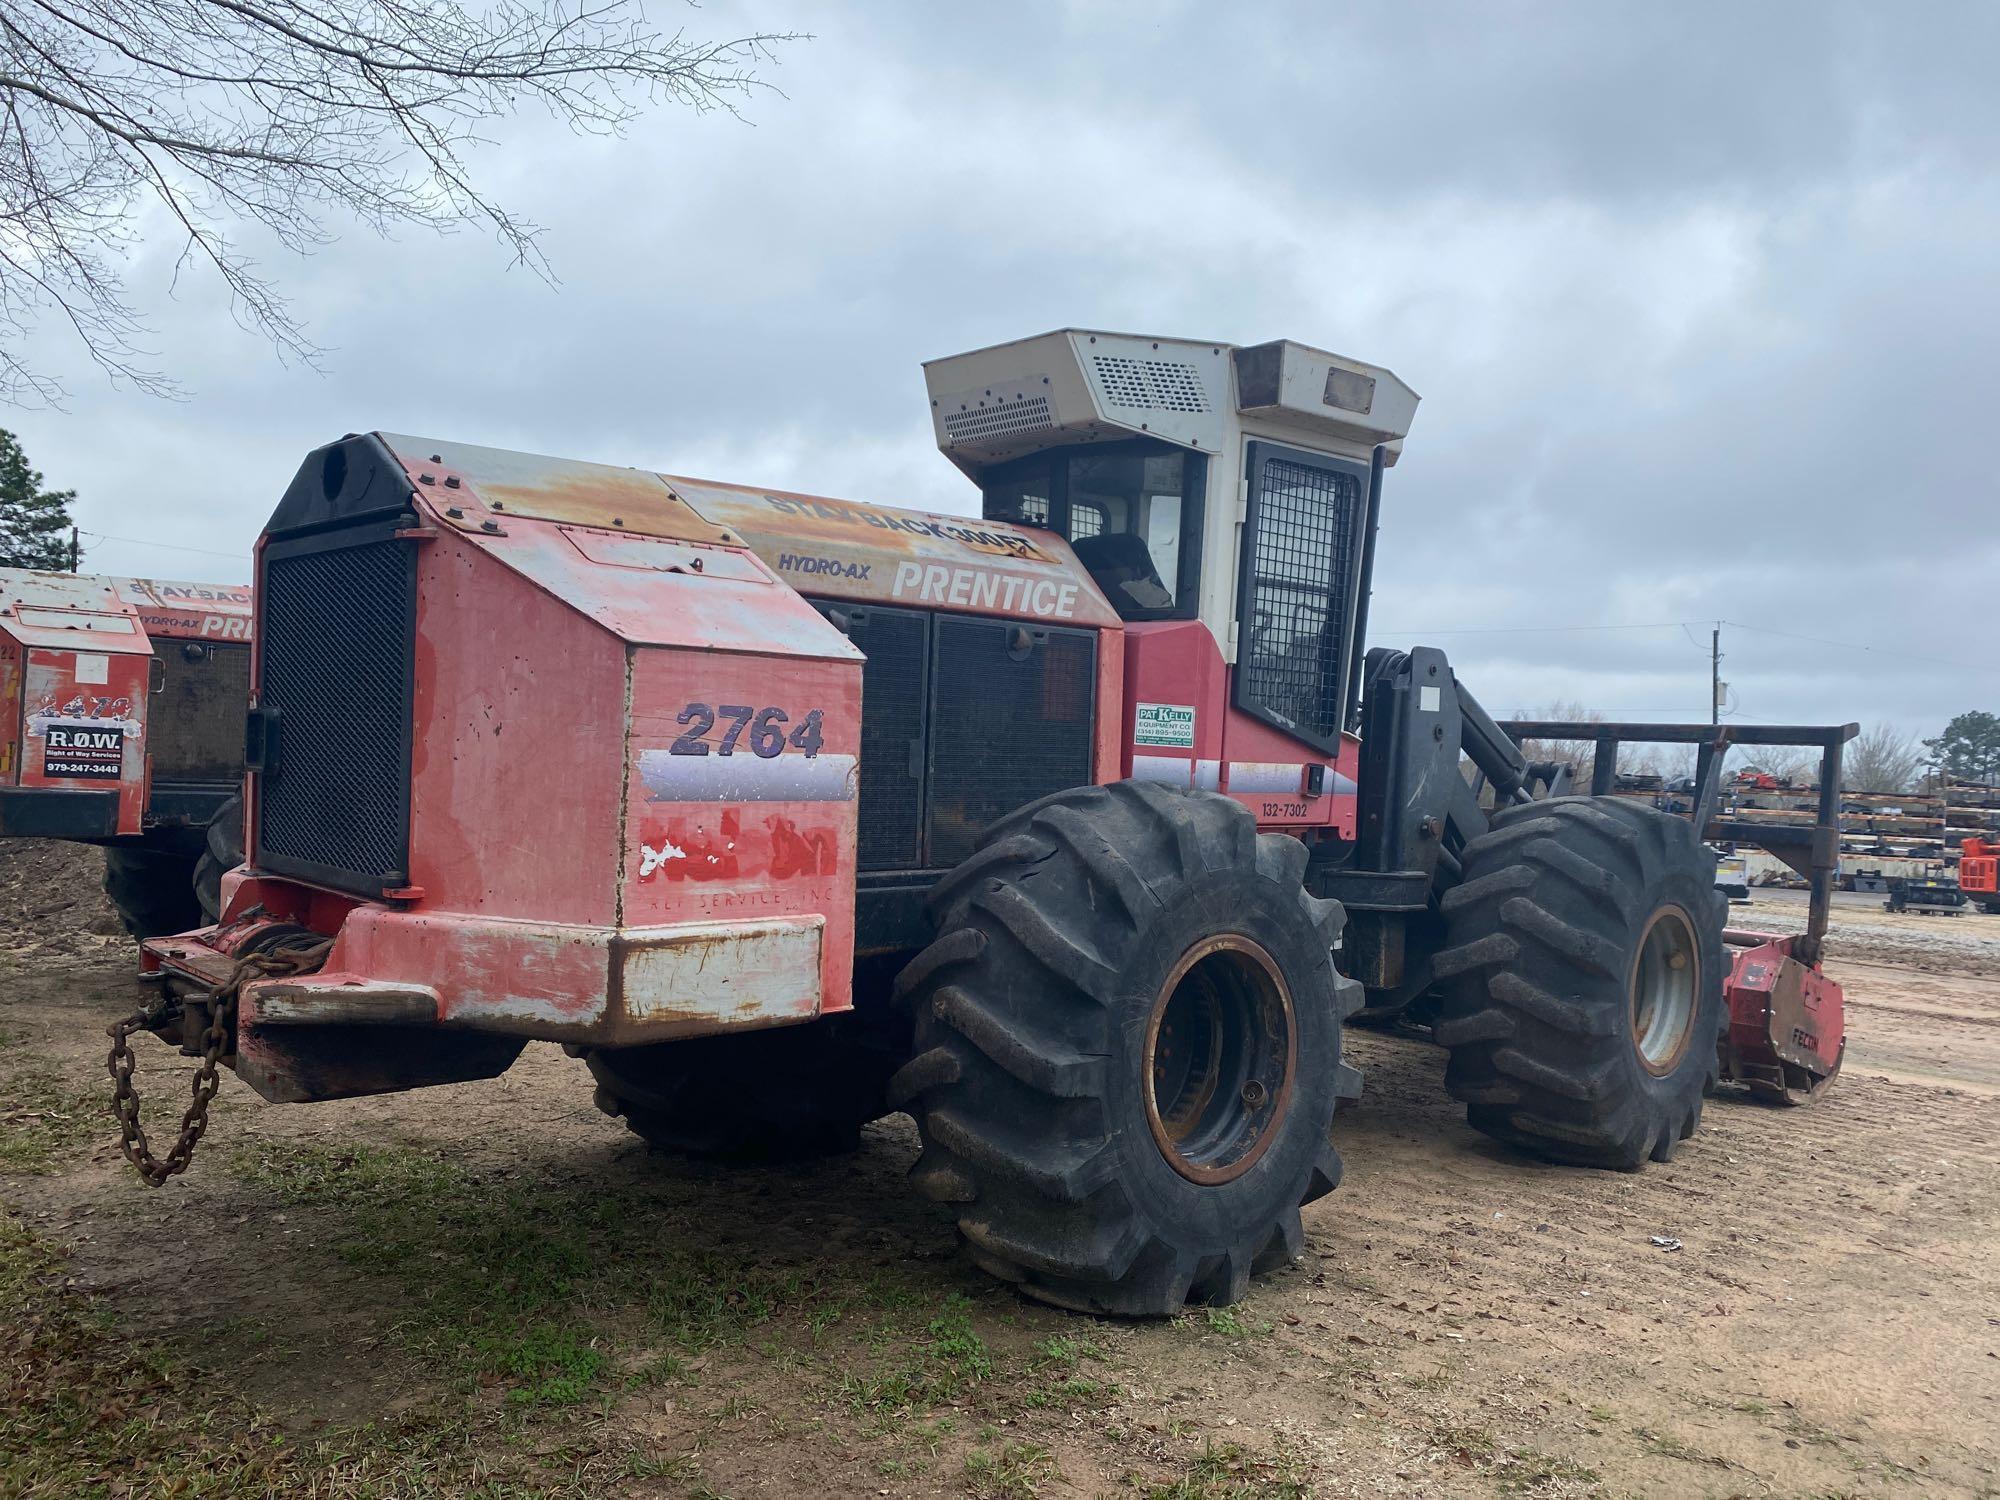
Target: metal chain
{"x":216,"y":1043}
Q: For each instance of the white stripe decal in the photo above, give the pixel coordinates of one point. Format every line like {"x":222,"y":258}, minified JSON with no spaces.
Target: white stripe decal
{"x":1266,"y":776}
{"x":1169,"y":770}
{"x":746,"y":778}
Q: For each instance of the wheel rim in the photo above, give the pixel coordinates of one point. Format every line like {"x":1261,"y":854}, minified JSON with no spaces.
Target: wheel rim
{"x":1221,"y":1045}
{"x":1663,"y":986}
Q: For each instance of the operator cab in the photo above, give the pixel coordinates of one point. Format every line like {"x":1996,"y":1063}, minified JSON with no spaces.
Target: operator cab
{"x":1131,"y":511}
{"x":1232,"y":485}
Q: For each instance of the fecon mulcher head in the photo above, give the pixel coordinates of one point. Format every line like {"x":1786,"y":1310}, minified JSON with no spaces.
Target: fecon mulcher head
{"x":121,"y":711}
{"x":1051,"y":827}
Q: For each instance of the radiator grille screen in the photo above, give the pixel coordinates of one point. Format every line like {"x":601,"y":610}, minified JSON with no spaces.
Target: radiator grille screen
{"x":337,"y":628}
{"x":194,"y":726}
{"x":1009,"y":725}
{"x":1301,"y":572}
{"x":893,"y":689}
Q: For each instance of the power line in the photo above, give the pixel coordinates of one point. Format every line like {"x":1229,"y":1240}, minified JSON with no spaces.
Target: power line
{"x":1537,"y":629}
{"x":1793,"y":635}
{"x":1984,"y":668}
{"x":105,"y":536}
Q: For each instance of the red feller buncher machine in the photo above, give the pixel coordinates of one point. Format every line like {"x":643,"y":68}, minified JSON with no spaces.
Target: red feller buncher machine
{"x":1052,"y":827}
{"x":121,"y":712}
{"x":1979,"y":873}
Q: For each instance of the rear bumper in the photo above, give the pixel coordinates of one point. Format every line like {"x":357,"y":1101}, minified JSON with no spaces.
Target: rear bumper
{"x":392,"y":974}
{"x":40,"y":812}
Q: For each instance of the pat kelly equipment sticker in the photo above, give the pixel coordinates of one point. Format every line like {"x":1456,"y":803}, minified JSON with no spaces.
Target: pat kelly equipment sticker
{"x":83,"y":749}
{"x":1167,"y":726}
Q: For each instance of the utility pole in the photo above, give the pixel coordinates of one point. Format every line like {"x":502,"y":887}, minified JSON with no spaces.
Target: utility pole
{"x":1715,"y":677}
{"x":75,"y":551}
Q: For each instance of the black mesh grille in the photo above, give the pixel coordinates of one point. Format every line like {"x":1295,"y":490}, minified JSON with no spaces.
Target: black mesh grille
{"x":1301,"y":566}
{"x":335,"y":671}
{"x":194,"y":725}
{"x":1008,"y":725}
{"x":892,"y":735}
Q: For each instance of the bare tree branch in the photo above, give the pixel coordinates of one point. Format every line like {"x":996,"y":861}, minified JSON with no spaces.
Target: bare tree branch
{"x":1882,"y":759}
{"x":289,"y":117}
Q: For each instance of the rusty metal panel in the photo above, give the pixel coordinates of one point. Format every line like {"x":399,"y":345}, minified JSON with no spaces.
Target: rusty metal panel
{"x":846,"y":549}
{"x":10,"y":712}
{"x":518,"y":744}
{"x":68,"y":612}
{"x":742,"y":797}
{"x":188,"y":611}
{"x":713,"y":596}
{"x":537,"y":978}
{"x":555,"y":489}
{"x":84,"y":725}
{"x":710,"y":975}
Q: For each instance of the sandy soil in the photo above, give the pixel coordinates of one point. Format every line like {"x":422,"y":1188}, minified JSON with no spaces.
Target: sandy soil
{"x":1466,"y":1322}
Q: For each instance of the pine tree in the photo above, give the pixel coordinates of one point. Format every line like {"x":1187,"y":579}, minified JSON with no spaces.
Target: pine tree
{"x":1969,"y":748}
{"x":34,"y":522}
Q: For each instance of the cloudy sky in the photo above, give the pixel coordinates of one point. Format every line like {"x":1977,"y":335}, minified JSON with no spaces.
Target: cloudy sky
{"x":1703,"y":301}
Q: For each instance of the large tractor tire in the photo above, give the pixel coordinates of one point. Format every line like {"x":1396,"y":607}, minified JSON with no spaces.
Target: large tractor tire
{"x":1127,"y":1049}
{"x":788,"y":1093}
{"x":1582,"y":981}
{"x":152,"y":889}
{"x":222,"y":852}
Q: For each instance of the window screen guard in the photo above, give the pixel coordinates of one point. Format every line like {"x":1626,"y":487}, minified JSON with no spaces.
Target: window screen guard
{"x":1301,"y":562}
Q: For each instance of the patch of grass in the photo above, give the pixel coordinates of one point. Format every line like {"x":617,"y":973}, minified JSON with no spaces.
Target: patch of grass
{"x":1435,"y":1380}
{"x":1011,"y":1474}
{"x":1055,"y":1365}
{"x":1228,"y":1471}
{"x":544,"y":1363}
{"x":346,"y":1176}
{"x":1524,"y":1471}
{"x":42,"y":1119}
{"x":503,"y":1278}
{"x":87,"y":1409}
{"x":1232,"y":1322}
{"x":946,"y":1361}
{"x":1062,"y":1351}
{"x":1751,"y":1407}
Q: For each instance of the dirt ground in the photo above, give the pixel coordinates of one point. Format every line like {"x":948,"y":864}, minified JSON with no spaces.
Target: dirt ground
{"x":491,"y":1289}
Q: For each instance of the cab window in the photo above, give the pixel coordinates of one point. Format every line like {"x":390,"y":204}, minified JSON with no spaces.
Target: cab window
{"x":1130,"y":511}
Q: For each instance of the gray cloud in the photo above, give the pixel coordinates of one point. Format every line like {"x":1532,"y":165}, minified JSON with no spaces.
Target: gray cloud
{"x":1702,"y":300}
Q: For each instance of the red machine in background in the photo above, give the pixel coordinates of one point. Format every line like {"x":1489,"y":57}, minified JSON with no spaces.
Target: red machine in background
{"x":1979,"y":873}
{"x":121,"y":724}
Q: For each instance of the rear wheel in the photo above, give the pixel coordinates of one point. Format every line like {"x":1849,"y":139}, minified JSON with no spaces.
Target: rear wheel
{"x":1127,"y":1050}
{"x":152,"y":889}
{"x":787,"y":1093}
{"x":223,"y":852}
{"x":1582,"y":981}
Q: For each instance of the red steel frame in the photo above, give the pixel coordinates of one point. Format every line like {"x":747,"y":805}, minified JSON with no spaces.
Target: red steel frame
{"x":575,"y":873}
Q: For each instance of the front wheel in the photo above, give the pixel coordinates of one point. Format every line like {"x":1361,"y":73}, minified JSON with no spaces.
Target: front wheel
{"x":1582,"y":981}
{"x":1127,"y":1049}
